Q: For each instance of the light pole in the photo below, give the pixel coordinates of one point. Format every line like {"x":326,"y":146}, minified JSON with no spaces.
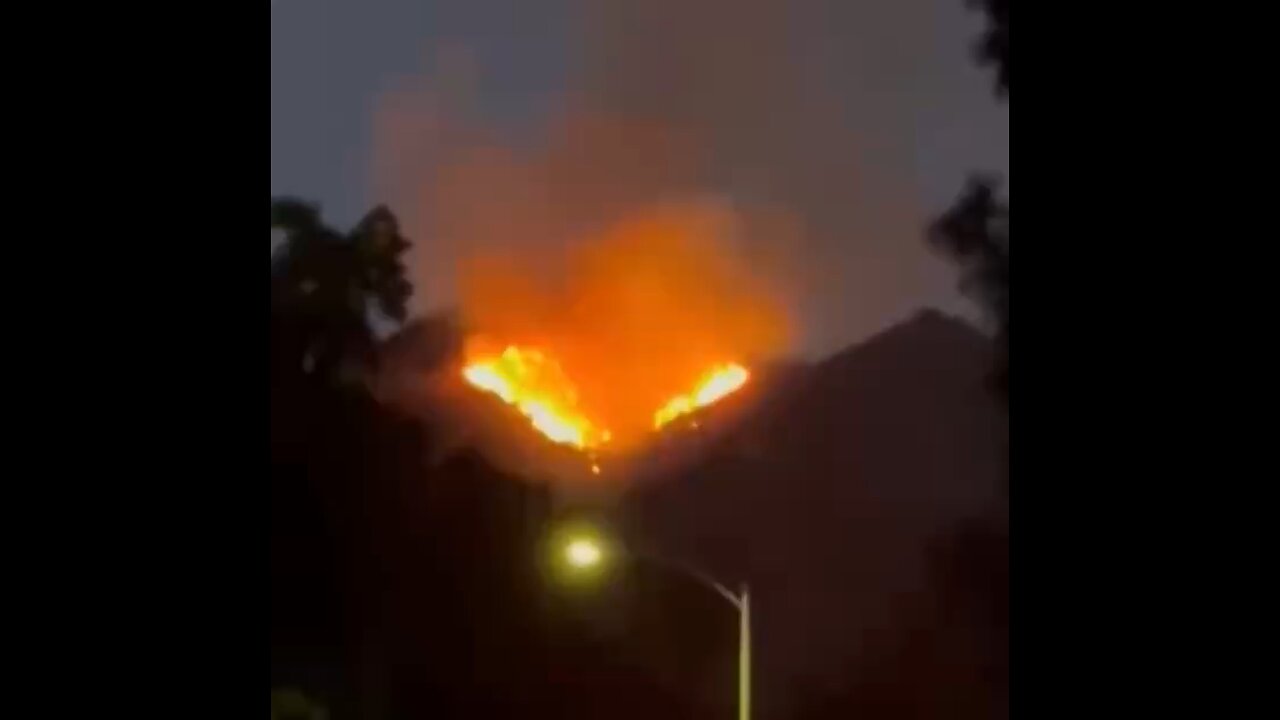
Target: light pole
{"x":585,"y":552}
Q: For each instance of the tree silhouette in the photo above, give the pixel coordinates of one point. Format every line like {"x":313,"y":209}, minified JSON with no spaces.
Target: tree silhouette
{"x":324,"y":284}
{"x":975,"y":231}
{"x":332,"y":446}
{"x":993,"y":46}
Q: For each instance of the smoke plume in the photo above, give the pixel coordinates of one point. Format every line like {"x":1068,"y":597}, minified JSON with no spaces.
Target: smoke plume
{"x":802,"y":116}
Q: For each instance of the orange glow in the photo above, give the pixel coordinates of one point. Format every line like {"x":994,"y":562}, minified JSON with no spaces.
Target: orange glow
{"x":716,"y":384}
{"x":659,"y":311}
{"x":536,"y":386}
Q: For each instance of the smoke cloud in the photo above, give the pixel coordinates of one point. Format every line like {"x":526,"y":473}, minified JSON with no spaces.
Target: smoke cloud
{"x":800,"y":120}
{"x":634,"y":314}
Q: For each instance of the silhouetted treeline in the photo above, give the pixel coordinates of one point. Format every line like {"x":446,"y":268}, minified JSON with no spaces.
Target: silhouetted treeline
{"x":993,"y":47}
{"x":975,"y":231}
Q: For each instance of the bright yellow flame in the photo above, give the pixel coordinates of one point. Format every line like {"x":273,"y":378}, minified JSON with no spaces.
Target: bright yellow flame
{"x":717,"y":383}
{"x":535,"y":385}
{"x":582,"y":553}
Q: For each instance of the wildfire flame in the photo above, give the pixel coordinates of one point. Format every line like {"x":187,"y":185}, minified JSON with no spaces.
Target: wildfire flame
{"x":532,"y":382}
{"x":617,"y":331}
{"x":716,"y":384}
{"x":536,"y":386}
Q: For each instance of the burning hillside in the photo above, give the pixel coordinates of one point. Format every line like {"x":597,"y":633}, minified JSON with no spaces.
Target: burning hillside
{"x":642,"y":324}
{"x":534,"y":384}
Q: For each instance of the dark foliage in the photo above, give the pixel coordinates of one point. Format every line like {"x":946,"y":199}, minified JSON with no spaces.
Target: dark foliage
{"x":993,"y":47}
{"x":324,"y":284}
{"x":975,"y":232}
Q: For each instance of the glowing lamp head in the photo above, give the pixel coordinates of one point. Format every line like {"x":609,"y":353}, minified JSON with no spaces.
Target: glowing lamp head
{"x":582,"y":553}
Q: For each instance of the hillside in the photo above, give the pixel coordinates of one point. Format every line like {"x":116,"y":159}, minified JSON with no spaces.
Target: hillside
{"x":837,"y":502}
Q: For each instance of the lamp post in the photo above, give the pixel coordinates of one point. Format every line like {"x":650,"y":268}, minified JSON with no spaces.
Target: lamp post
{"x":584,"y":553}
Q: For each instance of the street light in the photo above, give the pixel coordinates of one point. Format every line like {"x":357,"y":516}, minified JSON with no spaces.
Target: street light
{"x":584,"y":552}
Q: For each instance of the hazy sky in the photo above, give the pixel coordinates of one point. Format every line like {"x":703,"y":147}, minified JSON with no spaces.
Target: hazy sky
{"x":860,"y":117}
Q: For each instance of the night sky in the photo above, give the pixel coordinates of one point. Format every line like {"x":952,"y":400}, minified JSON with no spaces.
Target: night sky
{"x":862,"y":118}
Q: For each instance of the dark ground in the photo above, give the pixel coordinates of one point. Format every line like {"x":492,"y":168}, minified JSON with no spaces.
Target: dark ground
{"x":864,"y":503}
